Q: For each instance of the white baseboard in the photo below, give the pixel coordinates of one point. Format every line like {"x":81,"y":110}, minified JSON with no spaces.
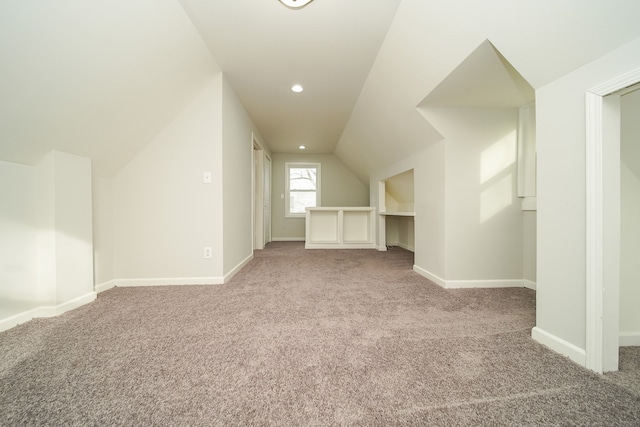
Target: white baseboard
{"x":629,"y":339}
{"x":174,"y":281}
{"x":288,"y":239}
{"x":559,"y":345}
{"x":529,"y":284}
{"x":46,"y":311}
{"x":500,"y":283}
{"x":434,"y":278}
{"x":169,"y":281}
{"x":105,"y":286}
{"x":458,"y":284}
{"x":339,"y":246}
{"x":381,"y":248}
{"x":236,"y":269}
{"x":18,"y":319}
{"x":68,"y":305}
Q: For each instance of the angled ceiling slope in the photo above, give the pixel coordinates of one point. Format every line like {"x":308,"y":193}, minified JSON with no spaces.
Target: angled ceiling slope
{"x":264,"y":48}
{"x":484,"y":79}
{"x":95,"y":79}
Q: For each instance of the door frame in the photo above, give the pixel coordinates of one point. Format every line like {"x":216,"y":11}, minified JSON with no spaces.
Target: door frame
{"x":603,"y":223}
{"x":257,"y":194}
{"x":267,"y":172}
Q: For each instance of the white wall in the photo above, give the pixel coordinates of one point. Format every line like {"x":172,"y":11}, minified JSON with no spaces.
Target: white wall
{"x":19,"y":242}
{"x":483,"y":213}
{"x":429,"y":203}
{"x":47,"y":243}
{"x":529,"y":251}
{"x":339,"y":186}
{"x":65,"y":240}
{"x":164,"y":215}
{"x":73,"y":226}
{"x":561,"y":185}
{"x":400,"y":231}
{"x":630,"y":248}
{"x":237,"y":152}
{"x":103,"y":232}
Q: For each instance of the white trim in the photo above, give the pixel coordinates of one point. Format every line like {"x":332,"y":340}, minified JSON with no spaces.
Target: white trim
{"x":18,"y":319}
{"x":181,"y":281}
{"x":629,"y":339}
{"x":237,"y":268}
{"x":74,"y":303}
{"x":340,"y":246}
{"x":105,"y":286}
{"x":530,"y":203}
{"x":500,"y":283}
{"x":381,"y":248}
{"x":559,"y":345}
{"x":433,"y":277}
{"x":46,"y":311}
{"x":173,"y":281}
{"x":288,"y":239}
{"x":594,"y":338}
{"x":594,"y":237}
{"x":464,"y":284}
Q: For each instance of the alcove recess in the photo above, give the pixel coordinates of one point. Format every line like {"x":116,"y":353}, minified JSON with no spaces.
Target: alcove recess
{"x":397,"y":210}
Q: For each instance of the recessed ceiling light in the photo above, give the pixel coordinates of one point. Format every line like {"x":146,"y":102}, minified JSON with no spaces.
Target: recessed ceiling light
{"x":302,"y":147}
{"x":297,"y":88}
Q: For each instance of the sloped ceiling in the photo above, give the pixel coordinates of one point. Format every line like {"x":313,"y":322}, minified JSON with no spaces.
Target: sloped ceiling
{"x":94,"y":78}
{"x":542,"y":40}
{"x":484,"y":79}
{"x":265,"y":48}
{"x":101,"y":78}
{"x":400,"y":187}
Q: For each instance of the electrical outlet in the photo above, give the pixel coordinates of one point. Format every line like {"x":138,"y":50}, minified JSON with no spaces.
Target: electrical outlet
{"x":207,"y":252}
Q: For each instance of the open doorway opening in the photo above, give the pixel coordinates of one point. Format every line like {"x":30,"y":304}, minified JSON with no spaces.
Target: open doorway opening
{"x":258,"y":195}
{"x":606,"y":174}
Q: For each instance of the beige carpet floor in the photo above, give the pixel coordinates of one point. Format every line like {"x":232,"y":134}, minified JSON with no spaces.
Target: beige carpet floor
{"x":303,"y":337}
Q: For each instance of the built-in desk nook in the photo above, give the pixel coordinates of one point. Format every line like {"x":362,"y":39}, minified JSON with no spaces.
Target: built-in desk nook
{"x":396,"y":215}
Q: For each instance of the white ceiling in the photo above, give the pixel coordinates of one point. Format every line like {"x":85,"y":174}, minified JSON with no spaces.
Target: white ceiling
{"x":264,"y":48}
{"x":484,"y":79}
{"x":102,"y":79}
{"x":99,"y":79}
{"x":543,"y":40}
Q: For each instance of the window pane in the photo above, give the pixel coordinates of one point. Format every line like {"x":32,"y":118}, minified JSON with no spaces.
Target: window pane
{"x":300,"y":200}
{"x":302,"y":179}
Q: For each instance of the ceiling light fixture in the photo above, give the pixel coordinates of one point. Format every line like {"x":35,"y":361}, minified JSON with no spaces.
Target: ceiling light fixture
{"x":302,"y":147}
{"x":297,"y":88}
{"x":295,"y":4}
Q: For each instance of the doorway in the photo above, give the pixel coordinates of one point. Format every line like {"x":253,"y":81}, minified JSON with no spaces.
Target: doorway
{"x":261,"y":202}
{"x":266,"y":199}
{"x":603,"y":216}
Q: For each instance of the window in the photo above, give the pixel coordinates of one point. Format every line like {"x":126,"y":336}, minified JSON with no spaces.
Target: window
{"x":302,"y":188}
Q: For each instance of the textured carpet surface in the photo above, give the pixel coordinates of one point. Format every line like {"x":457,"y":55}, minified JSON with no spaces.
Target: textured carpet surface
{"x":304,"y":337}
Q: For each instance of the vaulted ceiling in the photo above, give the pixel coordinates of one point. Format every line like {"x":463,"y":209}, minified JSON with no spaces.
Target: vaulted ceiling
{"x":101,"y":79}
{"x":265,"y":48}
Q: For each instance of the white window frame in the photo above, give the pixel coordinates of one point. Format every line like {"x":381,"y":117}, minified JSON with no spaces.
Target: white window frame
{"x":287,"y":197}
